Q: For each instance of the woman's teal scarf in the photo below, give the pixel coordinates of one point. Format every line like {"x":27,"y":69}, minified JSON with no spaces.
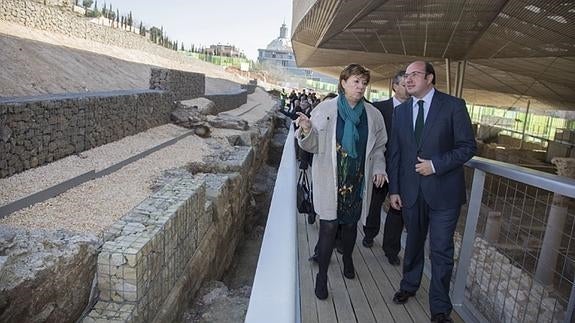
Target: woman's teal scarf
{"x":351,"y":118}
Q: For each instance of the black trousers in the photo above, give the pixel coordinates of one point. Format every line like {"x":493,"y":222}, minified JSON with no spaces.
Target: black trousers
{"x":419,"y":220}
{"x":393,"y":222}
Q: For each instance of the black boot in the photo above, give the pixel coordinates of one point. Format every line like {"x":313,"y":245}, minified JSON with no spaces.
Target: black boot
{"x":348,"y":269}
{"x":321,"y":286}
{"x":349,"y":234}
{"x":327,"y":231}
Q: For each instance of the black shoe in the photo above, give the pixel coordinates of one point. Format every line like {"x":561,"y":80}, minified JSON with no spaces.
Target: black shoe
{"x":441,"y":318}
{"x":402,"y":296}
{"x":348,"y":269}
{"x":321,"y":287}
{"x":394,"y":260}
{"x":368,"y":243}
{"x":311,"y":218}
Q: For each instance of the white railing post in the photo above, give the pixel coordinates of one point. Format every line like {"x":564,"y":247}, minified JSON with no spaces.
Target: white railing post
{"x":468,"y":238}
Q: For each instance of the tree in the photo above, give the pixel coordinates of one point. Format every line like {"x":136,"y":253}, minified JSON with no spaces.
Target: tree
{"x":182,"y":49}
{"x":97,"y":12}
{"x":155,"y":34}
{"x":117,"y":17}
{"x":105,"y":11}
{"x":87,"y":3}
{"x":130,"y":20}
{"x":111,"y":14}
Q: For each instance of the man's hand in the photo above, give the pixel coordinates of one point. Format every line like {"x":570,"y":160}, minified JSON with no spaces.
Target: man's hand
{"x":379,"y":180}
{"x":424,"y":167}
{"x":395,"y":201}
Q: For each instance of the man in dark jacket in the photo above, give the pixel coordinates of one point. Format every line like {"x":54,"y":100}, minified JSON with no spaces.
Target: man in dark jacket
{"x":431,"y":140}
{"x":393,"y":221}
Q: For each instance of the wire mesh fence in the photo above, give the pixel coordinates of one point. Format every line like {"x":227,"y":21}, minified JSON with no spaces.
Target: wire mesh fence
{"x":522,"y":266}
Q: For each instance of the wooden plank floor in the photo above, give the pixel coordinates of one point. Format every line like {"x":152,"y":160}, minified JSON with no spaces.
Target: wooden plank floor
{"x":368,"y":297}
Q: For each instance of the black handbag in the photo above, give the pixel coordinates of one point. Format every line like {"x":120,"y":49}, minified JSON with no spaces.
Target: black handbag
{"x":304,"y":194}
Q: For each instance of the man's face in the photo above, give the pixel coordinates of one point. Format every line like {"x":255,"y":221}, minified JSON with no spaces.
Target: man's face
{"x":417,"y":82}
{"x":401,"y":91}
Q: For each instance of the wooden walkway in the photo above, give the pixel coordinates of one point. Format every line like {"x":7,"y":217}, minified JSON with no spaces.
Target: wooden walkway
{"x":368,"y":297}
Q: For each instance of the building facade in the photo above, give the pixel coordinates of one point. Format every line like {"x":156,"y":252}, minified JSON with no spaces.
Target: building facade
{"x":279,"y":56}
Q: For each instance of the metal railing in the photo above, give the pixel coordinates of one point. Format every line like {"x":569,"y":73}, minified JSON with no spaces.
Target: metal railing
{"x":516,"y":251}
{"x":515,"y":247}
{"x":275,"y":292}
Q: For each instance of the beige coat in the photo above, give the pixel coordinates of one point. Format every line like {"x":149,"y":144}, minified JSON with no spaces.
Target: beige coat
{"x":321,"y":141}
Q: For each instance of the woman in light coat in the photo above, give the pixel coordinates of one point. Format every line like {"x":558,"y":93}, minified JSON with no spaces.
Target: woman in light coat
{"x":347,"y":137}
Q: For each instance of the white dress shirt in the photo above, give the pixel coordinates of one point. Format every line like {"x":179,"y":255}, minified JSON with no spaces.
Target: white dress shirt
{"x":426,"y":105}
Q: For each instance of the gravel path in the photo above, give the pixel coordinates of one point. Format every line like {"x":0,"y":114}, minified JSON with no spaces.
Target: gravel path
{"x":95,"y":205}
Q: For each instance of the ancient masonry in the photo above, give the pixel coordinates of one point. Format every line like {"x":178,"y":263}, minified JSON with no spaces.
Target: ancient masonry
{"x":158,"y":255}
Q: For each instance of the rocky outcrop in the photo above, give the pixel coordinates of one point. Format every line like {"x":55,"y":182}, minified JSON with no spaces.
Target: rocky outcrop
{"x":203,"y":105}
{"x":45,"y":276}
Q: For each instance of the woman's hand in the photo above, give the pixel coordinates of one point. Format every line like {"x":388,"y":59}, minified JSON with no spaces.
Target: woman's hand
{"x":379,"y":179}
{"x":303,"y":122}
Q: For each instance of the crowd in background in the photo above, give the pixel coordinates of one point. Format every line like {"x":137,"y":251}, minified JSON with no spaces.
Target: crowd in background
{"x":298,"y":101}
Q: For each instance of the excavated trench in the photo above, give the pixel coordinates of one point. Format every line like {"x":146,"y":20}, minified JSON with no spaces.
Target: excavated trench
{"x":227,"y":300}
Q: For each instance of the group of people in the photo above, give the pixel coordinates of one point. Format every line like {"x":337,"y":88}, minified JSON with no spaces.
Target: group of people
{"x":411,"y":147}
{"x":300,"y":101}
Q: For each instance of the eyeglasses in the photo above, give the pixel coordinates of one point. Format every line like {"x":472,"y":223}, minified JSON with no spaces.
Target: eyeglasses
{"x":413,"y":74}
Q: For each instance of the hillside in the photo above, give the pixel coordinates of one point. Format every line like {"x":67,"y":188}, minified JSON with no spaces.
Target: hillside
{"x":36,"y":62}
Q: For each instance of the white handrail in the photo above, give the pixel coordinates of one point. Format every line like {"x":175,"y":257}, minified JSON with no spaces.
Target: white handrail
{"x":274,"y":296}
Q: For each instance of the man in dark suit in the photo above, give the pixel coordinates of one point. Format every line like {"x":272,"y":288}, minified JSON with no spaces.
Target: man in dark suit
{"x":431,"y":140}
{"x":393,"y":222}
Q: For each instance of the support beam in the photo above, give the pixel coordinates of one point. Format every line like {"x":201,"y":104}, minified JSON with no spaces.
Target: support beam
{"x":461,"y":77}
{"x":457,"y":71}
{"x":448,"y":74}
{"x":524,"y":125}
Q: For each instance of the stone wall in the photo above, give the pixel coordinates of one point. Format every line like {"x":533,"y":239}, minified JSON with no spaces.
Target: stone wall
{"x":228,"y":101}
{"x":184,"y":85}
{"x":157,"y":257}
{"x":62,"y":20}
{"x":38,"y":130}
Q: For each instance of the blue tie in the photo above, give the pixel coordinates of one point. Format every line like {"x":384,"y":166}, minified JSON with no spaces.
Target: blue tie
{"x":419,"y":122}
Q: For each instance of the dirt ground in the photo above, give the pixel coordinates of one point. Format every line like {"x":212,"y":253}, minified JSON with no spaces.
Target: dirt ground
{"x":36,"y":62}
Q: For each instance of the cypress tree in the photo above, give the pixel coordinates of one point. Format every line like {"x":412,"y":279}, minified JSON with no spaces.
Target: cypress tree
{"x":130,"y":20}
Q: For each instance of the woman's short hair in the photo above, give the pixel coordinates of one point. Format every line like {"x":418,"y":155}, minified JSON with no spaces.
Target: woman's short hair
{"x":350,"y":70}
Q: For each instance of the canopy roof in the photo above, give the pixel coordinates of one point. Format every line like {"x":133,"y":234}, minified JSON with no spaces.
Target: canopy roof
{"x":515,"y":50}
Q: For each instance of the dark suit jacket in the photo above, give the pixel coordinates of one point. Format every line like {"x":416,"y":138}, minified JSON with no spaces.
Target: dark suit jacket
{"x":447,"y":140}
{"x":386,"y":109}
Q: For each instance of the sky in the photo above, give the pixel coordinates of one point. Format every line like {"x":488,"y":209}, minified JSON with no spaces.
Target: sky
{"x":246,"y":24}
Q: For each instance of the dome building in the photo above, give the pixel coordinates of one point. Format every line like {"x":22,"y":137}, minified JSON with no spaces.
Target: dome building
{"x":279,"y":56}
